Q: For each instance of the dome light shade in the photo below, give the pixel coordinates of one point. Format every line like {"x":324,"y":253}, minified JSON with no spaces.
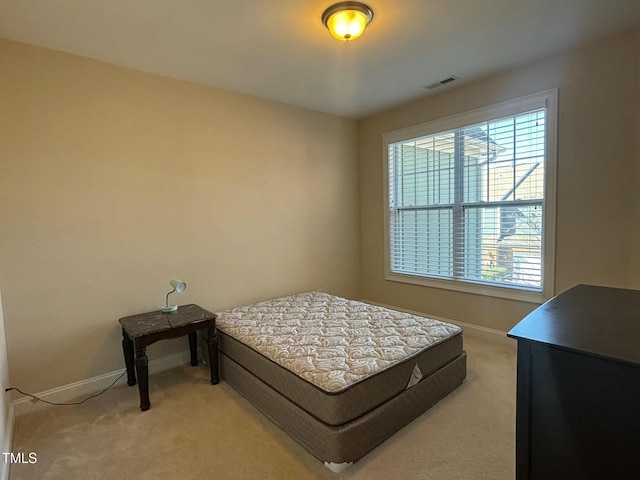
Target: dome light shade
{"x":347,"y":20}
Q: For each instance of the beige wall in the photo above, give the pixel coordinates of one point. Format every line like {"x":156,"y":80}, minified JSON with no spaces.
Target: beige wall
{"x":635,"y":225}
{"x":113,"y":181}
{"x":597,"y":149}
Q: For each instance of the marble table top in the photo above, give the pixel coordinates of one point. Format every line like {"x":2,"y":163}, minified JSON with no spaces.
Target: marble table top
{"x":157,"y":321}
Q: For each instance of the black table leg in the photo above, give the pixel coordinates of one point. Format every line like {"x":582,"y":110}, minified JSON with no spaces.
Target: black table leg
{"x":127,"y":348}
{"x":212,"y":342}
{"x":193,"y":347}
{"x":142,"y":369}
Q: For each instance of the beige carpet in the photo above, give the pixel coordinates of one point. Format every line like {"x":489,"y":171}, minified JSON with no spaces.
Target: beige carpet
{"x":195,"y":430}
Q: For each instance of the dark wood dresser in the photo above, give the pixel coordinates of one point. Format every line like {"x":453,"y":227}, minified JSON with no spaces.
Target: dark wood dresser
{"x":578,"y":393}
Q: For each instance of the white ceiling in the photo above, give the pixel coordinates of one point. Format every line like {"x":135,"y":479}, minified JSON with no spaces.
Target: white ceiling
{"x":280,"y":50}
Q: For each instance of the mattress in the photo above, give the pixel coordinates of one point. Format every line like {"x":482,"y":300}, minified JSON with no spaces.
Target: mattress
{"x":333,"y":358}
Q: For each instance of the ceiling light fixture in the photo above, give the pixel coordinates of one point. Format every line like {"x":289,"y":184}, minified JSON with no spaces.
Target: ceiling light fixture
{"x":347,"y":20}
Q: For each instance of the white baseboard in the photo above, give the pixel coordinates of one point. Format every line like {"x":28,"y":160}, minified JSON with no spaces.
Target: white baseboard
{"x":8,"y":441}
{"x":84,"y":388}
{"x":469,"y":328}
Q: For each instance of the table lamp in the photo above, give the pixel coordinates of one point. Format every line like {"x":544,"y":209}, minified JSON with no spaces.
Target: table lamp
{"x":178,"y":286}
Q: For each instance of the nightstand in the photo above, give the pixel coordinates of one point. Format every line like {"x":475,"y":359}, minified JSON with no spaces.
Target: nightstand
{"x":139,"y":331}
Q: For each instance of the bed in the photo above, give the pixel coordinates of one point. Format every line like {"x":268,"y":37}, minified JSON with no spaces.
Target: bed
{"x":338,"y":375}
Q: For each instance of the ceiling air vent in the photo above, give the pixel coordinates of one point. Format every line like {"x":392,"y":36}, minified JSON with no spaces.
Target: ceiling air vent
{"x":445,"y":81}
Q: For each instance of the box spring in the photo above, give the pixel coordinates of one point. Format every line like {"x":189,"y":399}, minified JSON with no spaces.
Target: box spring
{"x":279,"y":355}
{"x":340,"y":446}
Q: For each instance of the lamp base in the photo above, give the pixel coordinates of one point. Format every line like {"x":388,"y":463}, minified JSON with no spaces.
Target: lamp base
{"x":169,"y":308}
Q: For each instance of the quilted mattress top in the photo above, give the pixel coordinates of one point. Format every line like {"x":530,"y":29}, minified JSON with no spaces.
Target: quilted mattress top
{"x":330,"y":341}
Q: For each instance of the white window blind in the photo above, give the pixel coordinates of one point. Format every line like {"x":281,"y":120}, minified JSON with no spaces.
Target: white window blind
{"x":468,"y":204}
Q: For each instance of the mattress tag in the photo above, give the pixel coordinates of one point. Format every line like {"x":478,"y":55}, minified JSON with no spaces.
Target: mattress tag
{"x":416,"y":376}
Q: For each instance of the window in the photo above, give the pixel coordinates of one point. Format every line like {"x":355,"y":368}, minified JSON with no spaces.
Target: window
{"x":470,"y":200}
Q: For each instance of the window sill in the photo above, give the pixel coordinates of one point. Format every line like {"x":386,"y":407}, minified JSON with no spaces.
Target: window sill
{"x":521,"y":295}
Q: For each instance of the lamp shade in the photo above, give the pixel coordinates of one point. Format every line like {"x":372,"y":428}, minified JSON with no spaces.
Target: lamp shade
{"x":178,"y":285}
{"x":347,"y":20}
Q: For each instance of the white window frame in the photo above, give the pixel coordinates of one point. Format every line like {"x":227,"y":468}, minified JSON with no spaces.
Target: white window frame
{"x":547,"y":99}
